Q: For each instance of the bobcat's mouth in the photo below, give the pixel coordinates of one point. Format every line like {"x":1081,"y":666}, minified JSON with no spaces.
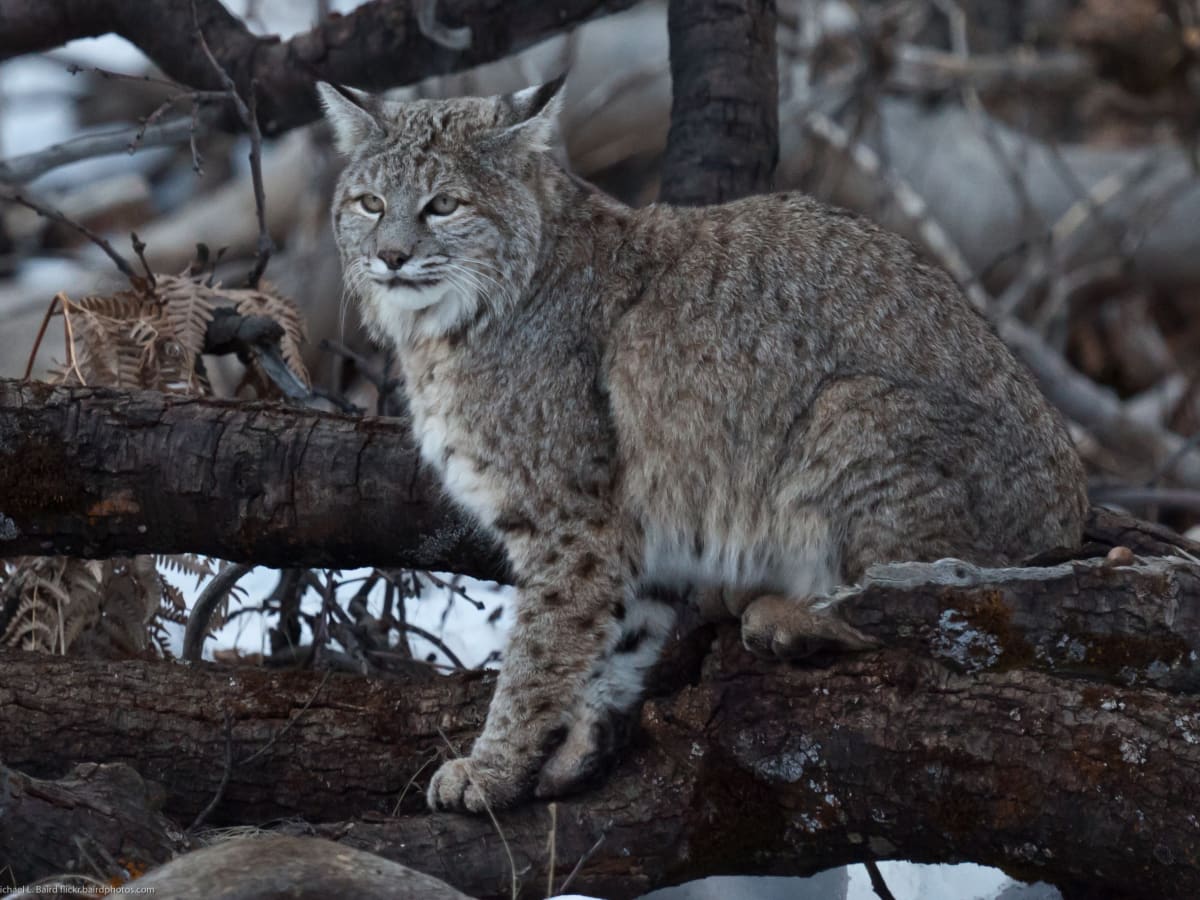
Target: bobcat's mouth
{"x":406,"y":283}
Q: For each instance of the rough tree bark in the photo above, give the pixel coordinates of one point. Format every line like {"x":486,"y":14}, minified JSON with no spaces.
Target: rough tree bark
{"x":724,"y":138}
{"x":96,"y":473}
{"x":378,"y":45}
{"x":1059,"y":740}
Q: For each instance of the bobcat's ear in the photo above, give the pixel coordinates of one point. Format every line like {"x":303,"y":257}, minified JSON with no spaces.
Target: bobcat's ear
{"x":349,"y":114}
{"x":535,"y":112}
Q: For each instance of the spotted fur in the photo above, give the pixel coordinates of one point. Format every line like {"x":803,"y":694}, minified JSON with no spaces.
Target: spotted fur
{"x":763,"y":397}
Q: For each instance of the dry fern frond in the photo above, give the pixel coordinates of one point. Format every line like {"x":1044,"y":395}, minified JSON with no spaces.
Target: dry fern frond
{"x":56,"y":599}
{"x":173,"y":606}
{"x":189,"y":306}
{"x":186,"y":564}
{"x":152,"y":336}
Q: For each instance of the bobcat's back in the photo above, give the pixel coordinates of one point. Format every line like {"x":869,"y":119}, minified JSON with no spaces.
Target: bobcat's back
{"x":789,"y":369}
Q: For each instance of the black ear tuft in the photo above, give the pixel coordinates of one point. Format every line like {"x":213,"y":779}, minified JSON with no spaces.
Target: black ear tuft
{"x":351,"y":115}
{"x":532,"y":101}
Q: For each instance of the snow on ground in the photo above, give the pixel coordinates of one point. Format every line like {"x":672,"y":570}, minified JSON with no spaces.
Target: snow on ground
{"x":910,"y":881}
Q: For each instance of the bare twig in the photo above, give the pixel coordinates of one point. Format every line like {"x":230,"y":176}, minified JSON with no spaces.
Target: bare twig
{"x":249,"y":117}
{"x":877,"y":882}
{"x":24,"y":168}
{"x":110,"y":75}
{"x":918,"y":68}
{"x":1071,"y":231}
{"x":50,"y":212}
{"x":265,"y":244}
{"x":562,"y":888}
{"x":457,"y":589}
{"x":41,"y":333}
{"x":139,"y":248}
{"x":436,"y":641}
{"x":1165,"y":469}
{"x":225,"y":773}
{"x":957,"y":20}
{"x":197,"y":159}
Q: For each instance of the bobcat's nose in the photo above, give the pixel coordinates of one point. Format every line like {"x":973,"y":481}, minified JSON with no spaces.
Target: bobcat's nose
{"x":394,"y":259}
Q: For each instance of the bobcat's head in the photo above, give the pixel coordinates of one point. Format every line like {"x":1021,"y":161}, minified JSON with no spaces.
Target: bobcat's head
{"x":437,"y":215}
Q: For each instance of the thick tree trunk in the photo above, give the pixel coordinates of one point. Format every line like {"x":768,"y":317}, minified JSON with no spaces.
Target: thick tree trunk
{"x":1059,"y":740}
{"x":95,"y":472}
{"x":724,"y":137}
{"x":378,"y":45}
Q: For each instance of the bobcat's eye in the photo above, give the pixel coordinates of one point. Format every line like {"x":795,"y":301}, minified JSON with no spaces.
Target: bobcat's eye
{"x":371,"y":204}
{"x":441,"y":205}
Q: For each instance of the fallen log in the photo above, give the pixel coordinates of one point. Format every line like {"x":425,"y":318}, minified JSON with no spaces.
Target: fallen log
{"x":1040,"y":720}
{"x":95,"y":472}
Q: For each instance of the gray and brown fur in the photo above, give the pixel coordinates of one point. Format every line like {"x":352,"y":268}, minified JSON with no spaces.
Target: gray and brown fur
{"x":764,"y":397}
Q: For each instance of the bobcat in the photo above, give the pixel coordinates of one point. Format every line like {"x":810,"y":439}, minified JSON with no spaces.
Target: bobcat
{"x":766,"y":396}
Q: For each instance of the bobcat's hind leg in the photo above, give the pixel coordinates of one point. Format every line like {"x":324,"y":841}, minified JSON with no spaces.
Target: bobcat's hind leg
{"x":603,"y":715}
{"x":788,"y":628}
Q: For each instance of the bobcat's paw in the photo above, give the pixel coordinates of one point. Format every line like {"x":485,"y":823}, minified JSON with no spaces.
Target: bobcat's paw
{"x":587,"y":753}
{"x":721,"y":604}
{"x":471,"y":785}
{"x":776,"y":627}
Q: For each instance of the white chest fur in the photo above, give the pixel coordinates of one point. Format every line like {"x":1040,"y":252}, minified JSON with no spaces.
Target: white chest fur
{"x":450,"y":449}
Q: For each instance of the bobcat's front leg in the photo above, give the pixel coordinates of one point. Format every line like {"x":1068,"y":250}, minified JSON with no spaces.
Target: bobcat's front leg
{"x":570,"y":587}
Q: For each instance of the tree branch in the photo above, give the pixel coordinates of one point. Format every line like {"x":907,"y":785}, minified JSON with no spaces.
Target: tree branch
{"x":378,"y":45}
{"x":1059,"y":762}
{"x":97,"y":472}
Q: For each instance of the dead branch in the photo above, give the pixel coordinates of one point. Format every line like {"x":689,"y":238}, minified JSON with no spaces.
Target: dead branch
{"x":94,"y":472}
{"x":87,"y":472}
{"x":378,"y":45}
{"x":248,"y":114}
{"x":49,"y":212}
{"x":1069,"y":726}
{"x":926,"y":70}
{"x":24,"y":168}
